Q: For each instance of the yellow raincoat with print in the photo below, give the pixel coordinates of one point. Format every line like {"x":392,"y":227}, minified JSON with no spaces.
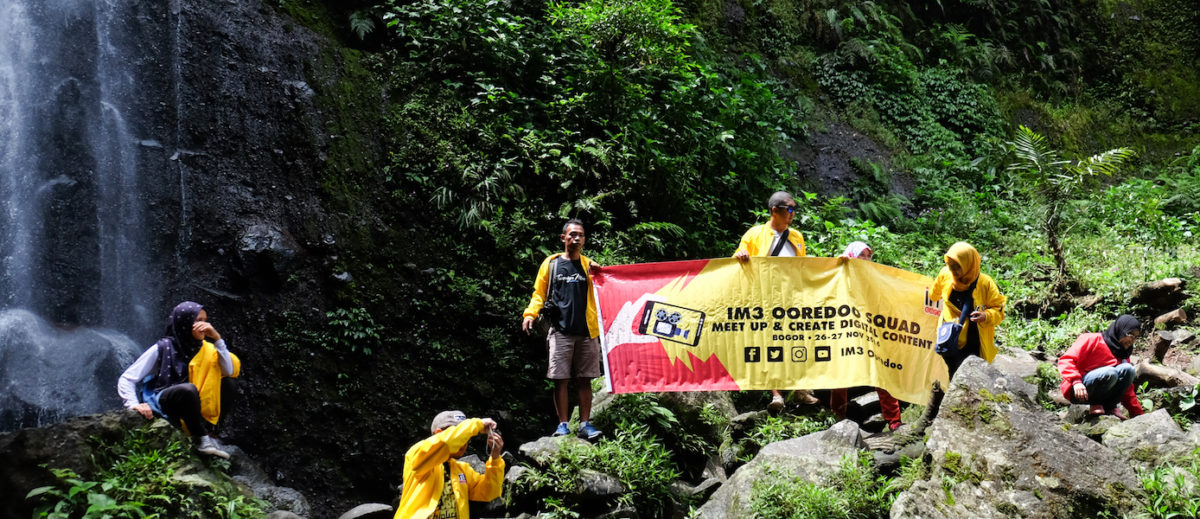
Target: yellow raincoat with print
{"x":757,"y":240}
{"x":542,"y":283}
{"x":425,"y":473}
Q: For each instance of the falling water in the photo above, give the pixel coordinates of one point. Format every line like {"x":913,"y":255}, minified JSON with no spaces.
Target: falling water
{"x":74,"y":282}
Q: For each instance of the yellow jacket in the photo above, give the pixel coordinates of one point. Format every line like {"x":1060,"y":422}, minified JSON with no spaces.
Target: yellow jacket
{"x":425,"y":475}
{"x":204,"y":371}
{"x":986,"y":296}
{"x":757,"y":241}
{"x":543,"y":281}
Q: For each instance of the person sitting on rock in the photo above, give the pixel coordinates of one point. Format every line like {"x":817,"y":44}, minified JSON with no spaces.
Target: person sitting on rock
{"x":181,"y":376}
{"x":1096,"y":369}
{"x":436,"y":484}
{"x":888,"y":405}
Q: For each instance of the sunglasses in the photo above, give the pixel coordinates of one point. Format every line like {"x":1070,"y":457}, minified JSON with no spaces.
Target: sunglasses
{"x":789,"y":208}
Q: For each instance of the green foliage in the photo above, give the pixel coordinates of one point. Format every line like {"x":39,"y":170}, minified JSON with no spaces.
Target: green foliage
{"x":855,"y":491}
{"x":1171,"y":489}
{"x":1052,"y":181}
{"x":137,"y":480}
{"x":638,"y":459}
{"x":353,"y":328}
{"x":786,"y":427}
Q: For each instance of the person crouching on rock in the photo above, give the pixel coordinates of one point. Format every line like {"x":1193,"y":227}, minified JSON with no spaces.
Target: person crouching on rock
{"x":180,"y":377}
{"x":1096,"y":369}
{"x":436,"y":484}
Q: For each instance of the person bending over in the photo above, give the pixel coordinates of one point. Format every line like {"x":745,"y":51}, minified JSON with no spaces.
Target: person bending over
{"x":1096,"y":369}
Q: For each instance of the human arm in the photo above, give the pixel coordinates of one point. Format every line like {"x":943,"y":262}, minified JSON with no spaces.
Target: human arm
{"x":939,"y":285}
{"x":538,"y":299}
{"x":435,"y":450}
{"x":127,"y":383}
{"x":992,"y":310}
{"x":224,"y":359}
{"x":490,"y":484}
{"x":743,"y":251}
{"x":1131,"y":402}
{"x":1072,"y":375}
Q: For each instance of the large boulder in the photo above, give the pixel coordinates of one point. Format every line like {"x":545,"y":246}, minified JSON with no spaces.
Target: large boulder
{"x":994,"y":452}
{"x":811,"y":458}
{"x":1148,"y":439}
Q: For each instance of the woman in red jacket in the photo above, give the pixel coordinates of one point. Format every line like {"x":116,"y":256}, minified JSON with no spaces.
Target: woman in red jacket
{"x":1096,"y":369}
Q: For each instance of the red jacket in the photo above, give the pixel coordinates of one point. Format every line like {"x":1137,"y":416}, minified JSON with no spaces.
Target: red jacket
{"x":1088,"y":353}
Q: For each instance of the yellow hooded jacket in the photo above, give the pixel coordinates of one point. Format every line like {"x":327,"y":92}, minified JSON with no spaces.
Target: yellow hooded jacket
{"x":986,"y":295}
{"x":425,"y":473}
{"x":757,"y":240}
{"x":204,"y":371}
{"x":542,"y":282}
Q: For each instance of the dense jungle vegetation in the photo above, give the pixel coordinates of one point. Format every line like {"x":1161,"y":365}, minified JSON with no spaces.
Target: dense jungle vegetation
{"x":1057,"y":136}
{"x":665,"y":125}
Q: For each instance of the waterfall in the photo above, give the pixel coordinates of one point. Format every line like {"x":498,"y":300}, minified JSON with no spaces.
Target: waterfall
{"x":75,"y":280}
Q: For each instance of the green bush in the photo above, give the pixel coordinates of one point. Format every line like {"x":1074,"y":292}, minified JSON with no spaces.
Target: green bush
{"x":855,"y":491}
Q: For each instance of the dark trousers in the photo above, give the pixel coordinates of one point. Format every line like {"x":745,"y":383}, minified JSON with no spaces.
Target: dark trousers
{"x":954,"y":359}
{"x":181,"y":402}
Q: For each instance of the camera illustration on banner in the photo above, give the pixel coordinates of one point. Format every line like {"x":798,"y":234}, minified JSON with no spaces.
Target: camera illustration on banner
{"x":672,"y":323}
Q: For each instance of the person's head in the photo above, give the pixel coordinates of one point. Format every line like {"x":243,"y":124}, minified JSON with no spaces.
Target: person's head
{"x":179,"y":324}
{"x":445,"y":420}
{"x":858,"y":250}
{"x":783,"y":209}
{"x":1121,"y":335}
{"x":963,"y":261}
{"x":573,"y":236}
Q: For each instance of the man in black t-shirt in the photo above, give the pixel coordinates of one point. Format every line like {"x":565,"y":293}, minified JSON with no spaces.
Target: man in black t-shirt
{"x":564,"y":289}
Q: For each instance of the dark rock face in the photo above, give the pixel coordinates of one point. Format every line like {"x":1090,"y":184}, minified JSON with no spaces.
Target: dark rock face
{"x":1004,"y":456}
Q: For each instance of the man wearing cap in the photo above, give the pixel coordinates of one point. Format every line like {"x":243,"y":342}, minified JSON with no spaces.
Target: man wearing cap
{"x":775,"y":238}
{"x":436,"y":484}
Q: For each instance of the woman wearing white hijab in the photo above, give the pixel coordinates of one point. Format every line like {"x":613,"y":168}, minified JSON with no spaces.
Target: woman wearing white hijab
{"x":889,"y":406}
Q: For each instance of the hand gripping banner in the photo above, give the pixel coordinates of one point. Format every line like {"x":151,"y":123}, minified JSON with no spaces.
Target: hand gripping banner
{"x":768,"y":323}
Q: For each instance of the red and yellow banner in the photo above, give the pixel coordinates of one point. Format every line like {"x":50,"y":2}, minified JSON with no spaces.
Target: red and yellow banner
{"x":768,"y":323}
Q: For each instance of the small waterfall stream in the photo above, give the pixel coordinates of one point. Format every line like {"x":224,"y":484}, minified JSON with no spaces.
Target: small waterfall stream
{"x":75,"y":281}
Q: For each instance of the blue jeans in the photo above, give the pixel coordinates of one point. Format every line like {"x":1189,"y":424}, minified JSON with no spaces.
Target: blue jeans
{"x":1106,"y":386}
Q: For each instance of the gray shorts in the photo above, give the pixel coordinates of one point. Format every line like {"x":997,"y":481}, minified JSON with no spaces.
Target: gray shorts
{"x":572,"y":356}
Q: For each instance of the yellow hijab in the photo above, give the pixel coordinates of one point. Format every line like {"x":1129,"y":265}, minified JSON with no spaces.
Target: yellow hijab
{"x":968,"y":259}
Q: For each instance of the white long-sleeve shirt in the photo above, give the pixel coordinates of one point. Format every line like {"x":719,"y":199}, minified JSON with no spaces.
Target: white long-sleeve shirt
{"x":144,"y":365}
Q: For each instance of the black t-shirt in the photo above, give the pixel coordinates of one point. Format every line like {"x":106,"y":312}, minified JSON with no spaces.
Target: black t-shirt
{"x":570,"y":291}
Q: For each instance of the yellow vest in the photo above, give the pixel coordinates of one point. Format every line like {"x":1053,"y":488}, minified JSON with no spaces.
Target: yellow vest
{"x":757,"y":241}
{"x":542,"y":282}
{"x":425,"y":474}
{"x":204,"y":372}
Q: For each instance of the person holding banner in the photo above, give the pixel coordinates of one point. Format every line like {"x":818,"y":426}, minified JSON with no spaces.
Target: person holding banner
{"x":965,"y":289}
{"x":563,"y":293}
{"x":775,"y":238}
{"x":889,"y":406}
{"x":1096,"y":369}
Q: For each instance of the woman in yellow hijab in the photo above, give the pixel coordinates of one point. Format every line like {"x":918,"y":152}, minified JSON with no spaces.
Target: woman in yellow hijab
{"x":961,"y":285}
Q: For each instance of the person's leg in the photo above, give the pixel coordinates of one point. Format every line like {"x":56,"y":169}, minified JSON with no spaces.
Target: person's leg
{"x":586,"y":366}
{"x":560,"y":400}
{"x":583,"y":386}
{"x":1101,"y":386}
{"x":889,"y":407}
{"x":776,"y":404}
{"x":838,"y":399}
{"x":182,"y":402}
{"x":561,"y":350}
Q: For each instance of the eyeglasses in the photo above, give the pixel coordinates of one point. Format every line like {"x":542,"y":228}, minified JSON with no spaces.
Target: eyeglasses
{"x":789,"y":208}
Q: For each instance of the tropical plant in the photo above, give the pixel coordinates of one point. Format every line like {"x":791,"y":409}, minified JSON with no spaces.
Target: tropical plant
{"x":1053,"y":182}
